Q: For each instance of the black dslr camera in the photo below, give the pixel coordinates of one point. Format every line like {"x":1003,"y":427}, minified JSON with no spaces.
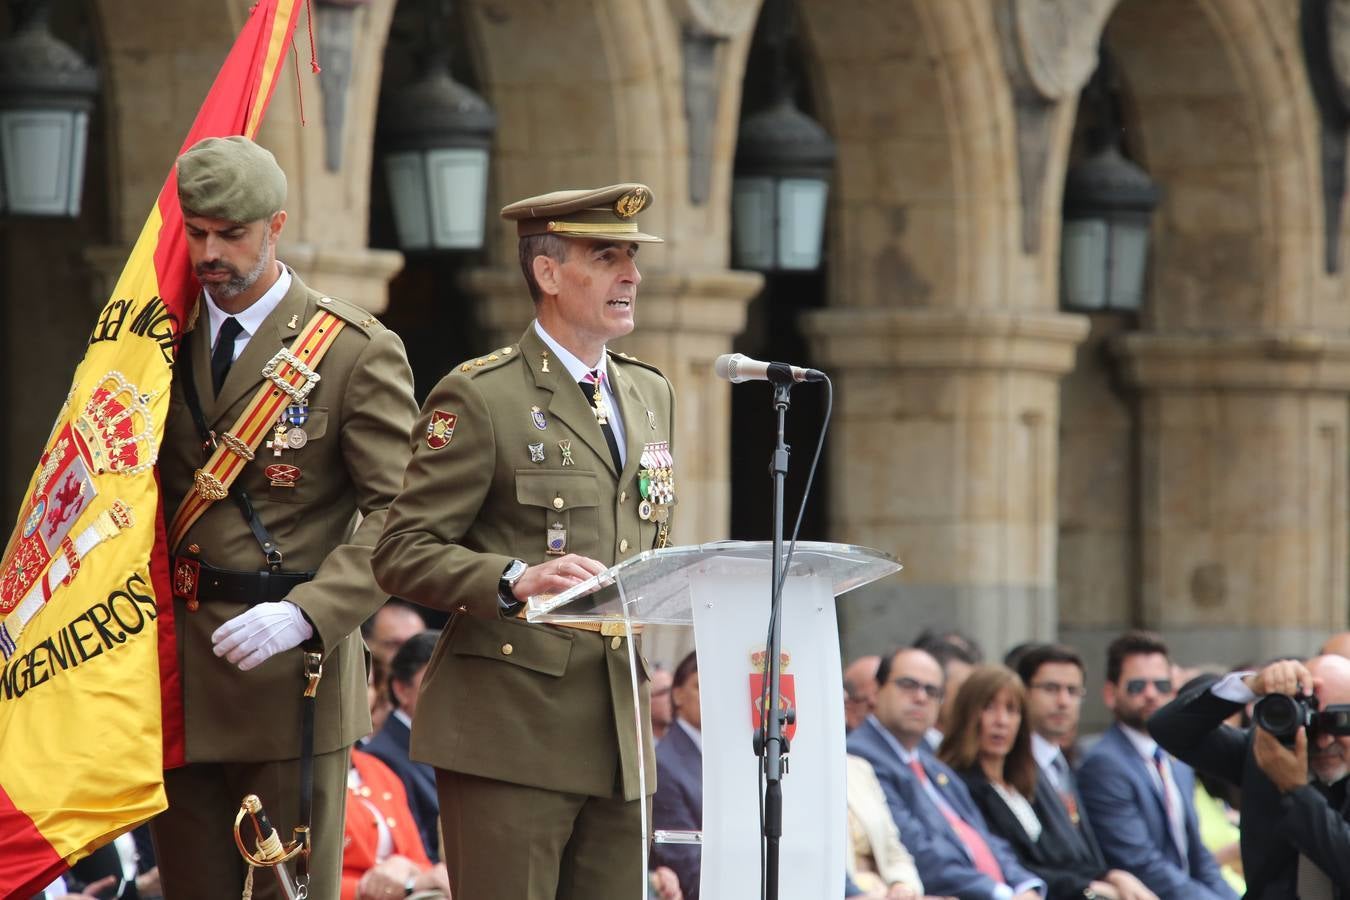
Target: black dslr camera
{"x":1283,"y":716}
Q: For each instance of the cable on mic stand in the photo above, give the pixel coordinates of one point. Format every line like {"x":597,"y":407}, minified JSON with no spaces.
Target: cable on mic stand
{"x":769,"y":741}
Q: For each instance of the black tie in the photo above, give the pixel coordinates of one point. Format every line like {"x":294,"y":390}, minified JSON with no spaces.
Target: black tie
{"x":589,"y":390}
{"x":223,"y":355}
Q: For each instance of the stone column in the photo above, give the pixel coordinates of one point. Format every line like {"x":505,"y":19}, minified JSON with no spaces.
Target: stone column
{"x":684,"y":322}
{"x":1243,"y":490}
{"x":943,"y":452}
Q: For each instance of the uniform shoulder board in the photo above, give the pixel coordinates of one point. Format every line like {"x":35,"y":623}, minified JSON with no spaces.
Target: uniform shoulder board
{"x":624,"y":357}
{"x":350,"y":313}
{"x":472,"y":367}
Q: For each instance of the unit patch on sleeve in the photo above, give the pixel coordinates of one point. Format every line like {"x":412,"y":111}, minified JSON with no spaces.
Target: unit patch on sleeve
{"x":440,"y":429}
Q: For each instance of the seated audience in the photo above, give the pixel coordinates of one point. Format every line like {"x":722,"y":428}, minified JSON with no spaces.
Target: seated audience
{"x":860,"y":690}
{"x":990,"y":748}
{"x":382,"y":854}
{"x":954,"y":850}
{"x":877,"y":863}
{"x":678,"y":802}
{"x":663,"y":713}
{"x":384,"y":632}
{"x":390,"y":744}
{"x":957,"y":654}
{"x":1053,"y":677}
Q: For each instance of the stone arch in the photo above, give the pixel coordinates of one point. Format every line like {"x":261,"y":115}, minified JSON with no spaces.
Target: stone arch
{"x":1226,"y":124}
{"x":590,"y":94}
{"x":925,"y":211}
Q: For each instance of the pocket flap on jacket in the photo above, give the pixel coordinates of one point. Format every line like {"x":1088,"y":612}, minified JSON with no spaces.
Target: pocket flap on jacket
{"x":531,"y":647}
{"x":544,"y":488}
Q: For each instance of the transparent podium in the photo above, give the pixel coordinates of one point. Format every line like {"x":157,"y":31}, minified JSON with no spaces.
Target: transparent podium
{"x":722,"y":590}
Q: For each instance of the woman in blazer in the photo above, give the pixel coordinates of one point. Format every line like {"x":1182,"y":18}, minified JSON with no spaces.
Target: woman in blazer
{"x":989,"y":744}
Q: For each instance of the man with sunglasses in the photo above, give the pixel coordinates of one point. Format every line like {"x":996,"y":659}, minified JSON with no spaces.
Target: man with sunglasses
{"x":1295,"y":809}
{"x":1138,"y":798}
{"x":939,"y":823}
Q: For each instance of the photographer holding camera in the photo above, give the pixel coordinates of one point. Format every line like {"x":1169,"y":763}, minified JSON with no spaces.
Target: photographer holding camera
{"x":1295,"y":828}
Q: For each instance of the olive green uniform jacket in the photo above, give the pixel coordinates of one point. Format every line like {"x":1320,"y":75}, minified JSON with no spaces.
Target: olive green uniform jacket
{"x":501,"y":698}
{"x":360,"y":414}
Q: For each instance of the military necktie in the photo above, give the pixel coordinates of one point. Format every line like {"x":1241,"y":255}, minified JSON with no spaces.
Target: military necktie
{"x":590,"y":387}
{"x":223,"y":356}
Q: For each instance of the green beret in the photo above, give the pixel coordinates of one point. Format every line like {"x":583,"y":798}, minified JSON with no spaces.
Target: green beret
{"x":230,"y":178}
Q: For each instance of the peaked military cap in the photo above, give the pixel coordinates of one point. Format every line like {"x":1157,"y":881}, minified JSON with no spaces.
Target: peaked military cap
{"x":230,"y":178}
{"x":607,"y":213}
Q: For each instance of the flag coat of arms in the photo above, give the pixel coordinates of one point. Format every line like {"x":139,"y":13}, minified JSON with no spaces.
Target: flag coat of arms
{"x":90,"y":705}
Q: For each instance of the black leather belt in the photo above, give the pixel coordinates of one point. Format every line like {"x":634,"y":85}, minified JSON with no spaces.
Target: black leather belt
{"x":194,"y":582}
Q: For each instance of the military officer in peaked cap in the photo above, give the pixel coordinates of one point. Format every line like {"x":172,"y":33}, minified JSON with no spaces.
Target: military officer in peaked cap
{"x":534,"y":467}
{"x":254,"y":590}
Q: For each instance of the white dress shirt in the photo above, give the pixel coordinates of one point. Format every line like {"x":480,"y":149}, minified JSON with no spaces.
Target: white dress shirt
{"x":250,"y":319}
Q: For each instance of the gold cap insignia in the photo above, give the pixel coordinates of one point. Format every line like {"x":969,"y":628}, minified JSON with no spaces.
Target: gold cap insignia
{"x":631,"y":203}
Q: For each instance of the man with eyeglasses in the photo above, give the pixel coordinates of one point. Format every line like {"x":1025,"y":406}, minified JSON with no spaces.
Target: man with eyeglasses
{"x":938,"y":821}
{"x":1138,"y":798}
{"x":1294,"y":800}
{"x":1054,"y":677}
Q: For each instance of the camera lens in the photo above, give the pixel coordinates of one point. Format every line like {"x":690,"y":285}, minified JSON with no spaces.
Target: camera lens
{"x":1279,"y":714}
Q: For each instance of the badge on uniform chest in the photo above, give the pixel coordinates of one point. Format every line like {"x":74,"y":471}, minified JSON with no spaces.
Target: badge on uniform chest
{"x":557,"y":539}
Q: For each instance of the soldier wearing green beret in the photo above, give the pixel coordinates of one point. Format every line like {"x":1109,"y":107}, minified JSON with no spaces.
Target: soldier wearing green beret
{"x":536,"y":466}
{"x":251,"y":588}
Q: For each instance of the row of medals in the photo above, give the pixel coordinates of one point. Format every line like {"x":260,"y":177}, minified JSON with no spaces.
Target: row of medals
{"x":656,"y":472}
{"x":288,"y":434}
{"x":656,"y":482}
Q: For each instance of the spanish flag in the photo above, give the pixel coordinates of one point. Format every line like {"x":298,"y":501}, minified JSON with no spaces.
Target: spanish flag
{"x":90,"y":706}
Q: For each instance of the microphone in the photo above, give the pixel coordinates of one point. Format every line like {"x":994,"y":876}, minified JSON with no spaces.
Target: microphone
{"x":737,"y":367}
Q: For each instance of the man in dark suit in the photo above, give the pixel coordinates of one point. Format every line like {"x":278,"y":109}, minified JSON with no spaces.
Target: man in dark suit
{"x":390,"y":743}
{"x":939,"y":823}
{"x":1054,"y":678}
{"x":678,"y":802}
{"x":255,"y":579}
{"x":1286,"y":818}
{"x":1138,"y":798}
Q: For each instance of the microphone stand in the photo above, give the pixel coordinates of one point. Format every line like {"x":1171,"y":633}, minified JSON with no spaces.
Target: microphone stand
{"x":770,"y":742}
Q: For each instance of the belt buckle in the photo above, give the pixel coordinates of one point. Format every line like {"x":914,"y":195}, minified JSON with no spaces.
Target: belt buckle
{"x":273,"y":372}
{"x":615,"y":628}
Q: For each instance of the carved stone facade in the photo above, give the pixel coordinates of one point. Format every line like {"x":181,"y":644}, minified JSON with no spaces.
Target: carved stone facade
{"x":1039,"y":474}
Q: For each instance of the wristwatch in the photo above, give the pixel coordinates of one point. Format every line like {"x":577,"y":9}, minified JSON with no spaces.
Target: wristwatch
{"x":410,"y":885}
{"x":505,"y":594}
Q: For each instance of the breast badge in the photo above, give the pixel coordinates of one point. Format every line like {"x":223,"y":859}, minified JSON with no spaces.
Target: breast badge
{"x":441,"y":428}
{"x":282,"y":475}
{"x":536,"y":452}
{"x":557,"y":540}
{"x":537,"y":417}
{"x":565,"y":448}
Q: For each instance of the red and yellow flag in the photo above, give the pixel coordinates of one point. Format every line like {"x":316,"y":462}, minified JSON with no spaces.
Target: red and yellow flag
{"x":90,"y":706}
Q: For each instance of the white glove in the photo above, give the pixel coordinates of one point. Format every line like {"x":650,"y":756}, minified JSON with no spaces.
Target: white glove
{"x":256,"y":635}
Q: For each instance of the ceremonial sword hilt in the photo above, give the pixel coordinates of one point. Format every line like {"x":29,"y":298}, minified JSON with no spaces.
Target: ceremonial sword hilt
{"x":271,"y":853}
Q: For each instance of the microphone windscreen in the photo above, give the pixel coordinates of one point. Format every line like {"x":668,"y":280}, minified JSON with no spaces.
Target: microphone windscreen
{"x":725,"y":365}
